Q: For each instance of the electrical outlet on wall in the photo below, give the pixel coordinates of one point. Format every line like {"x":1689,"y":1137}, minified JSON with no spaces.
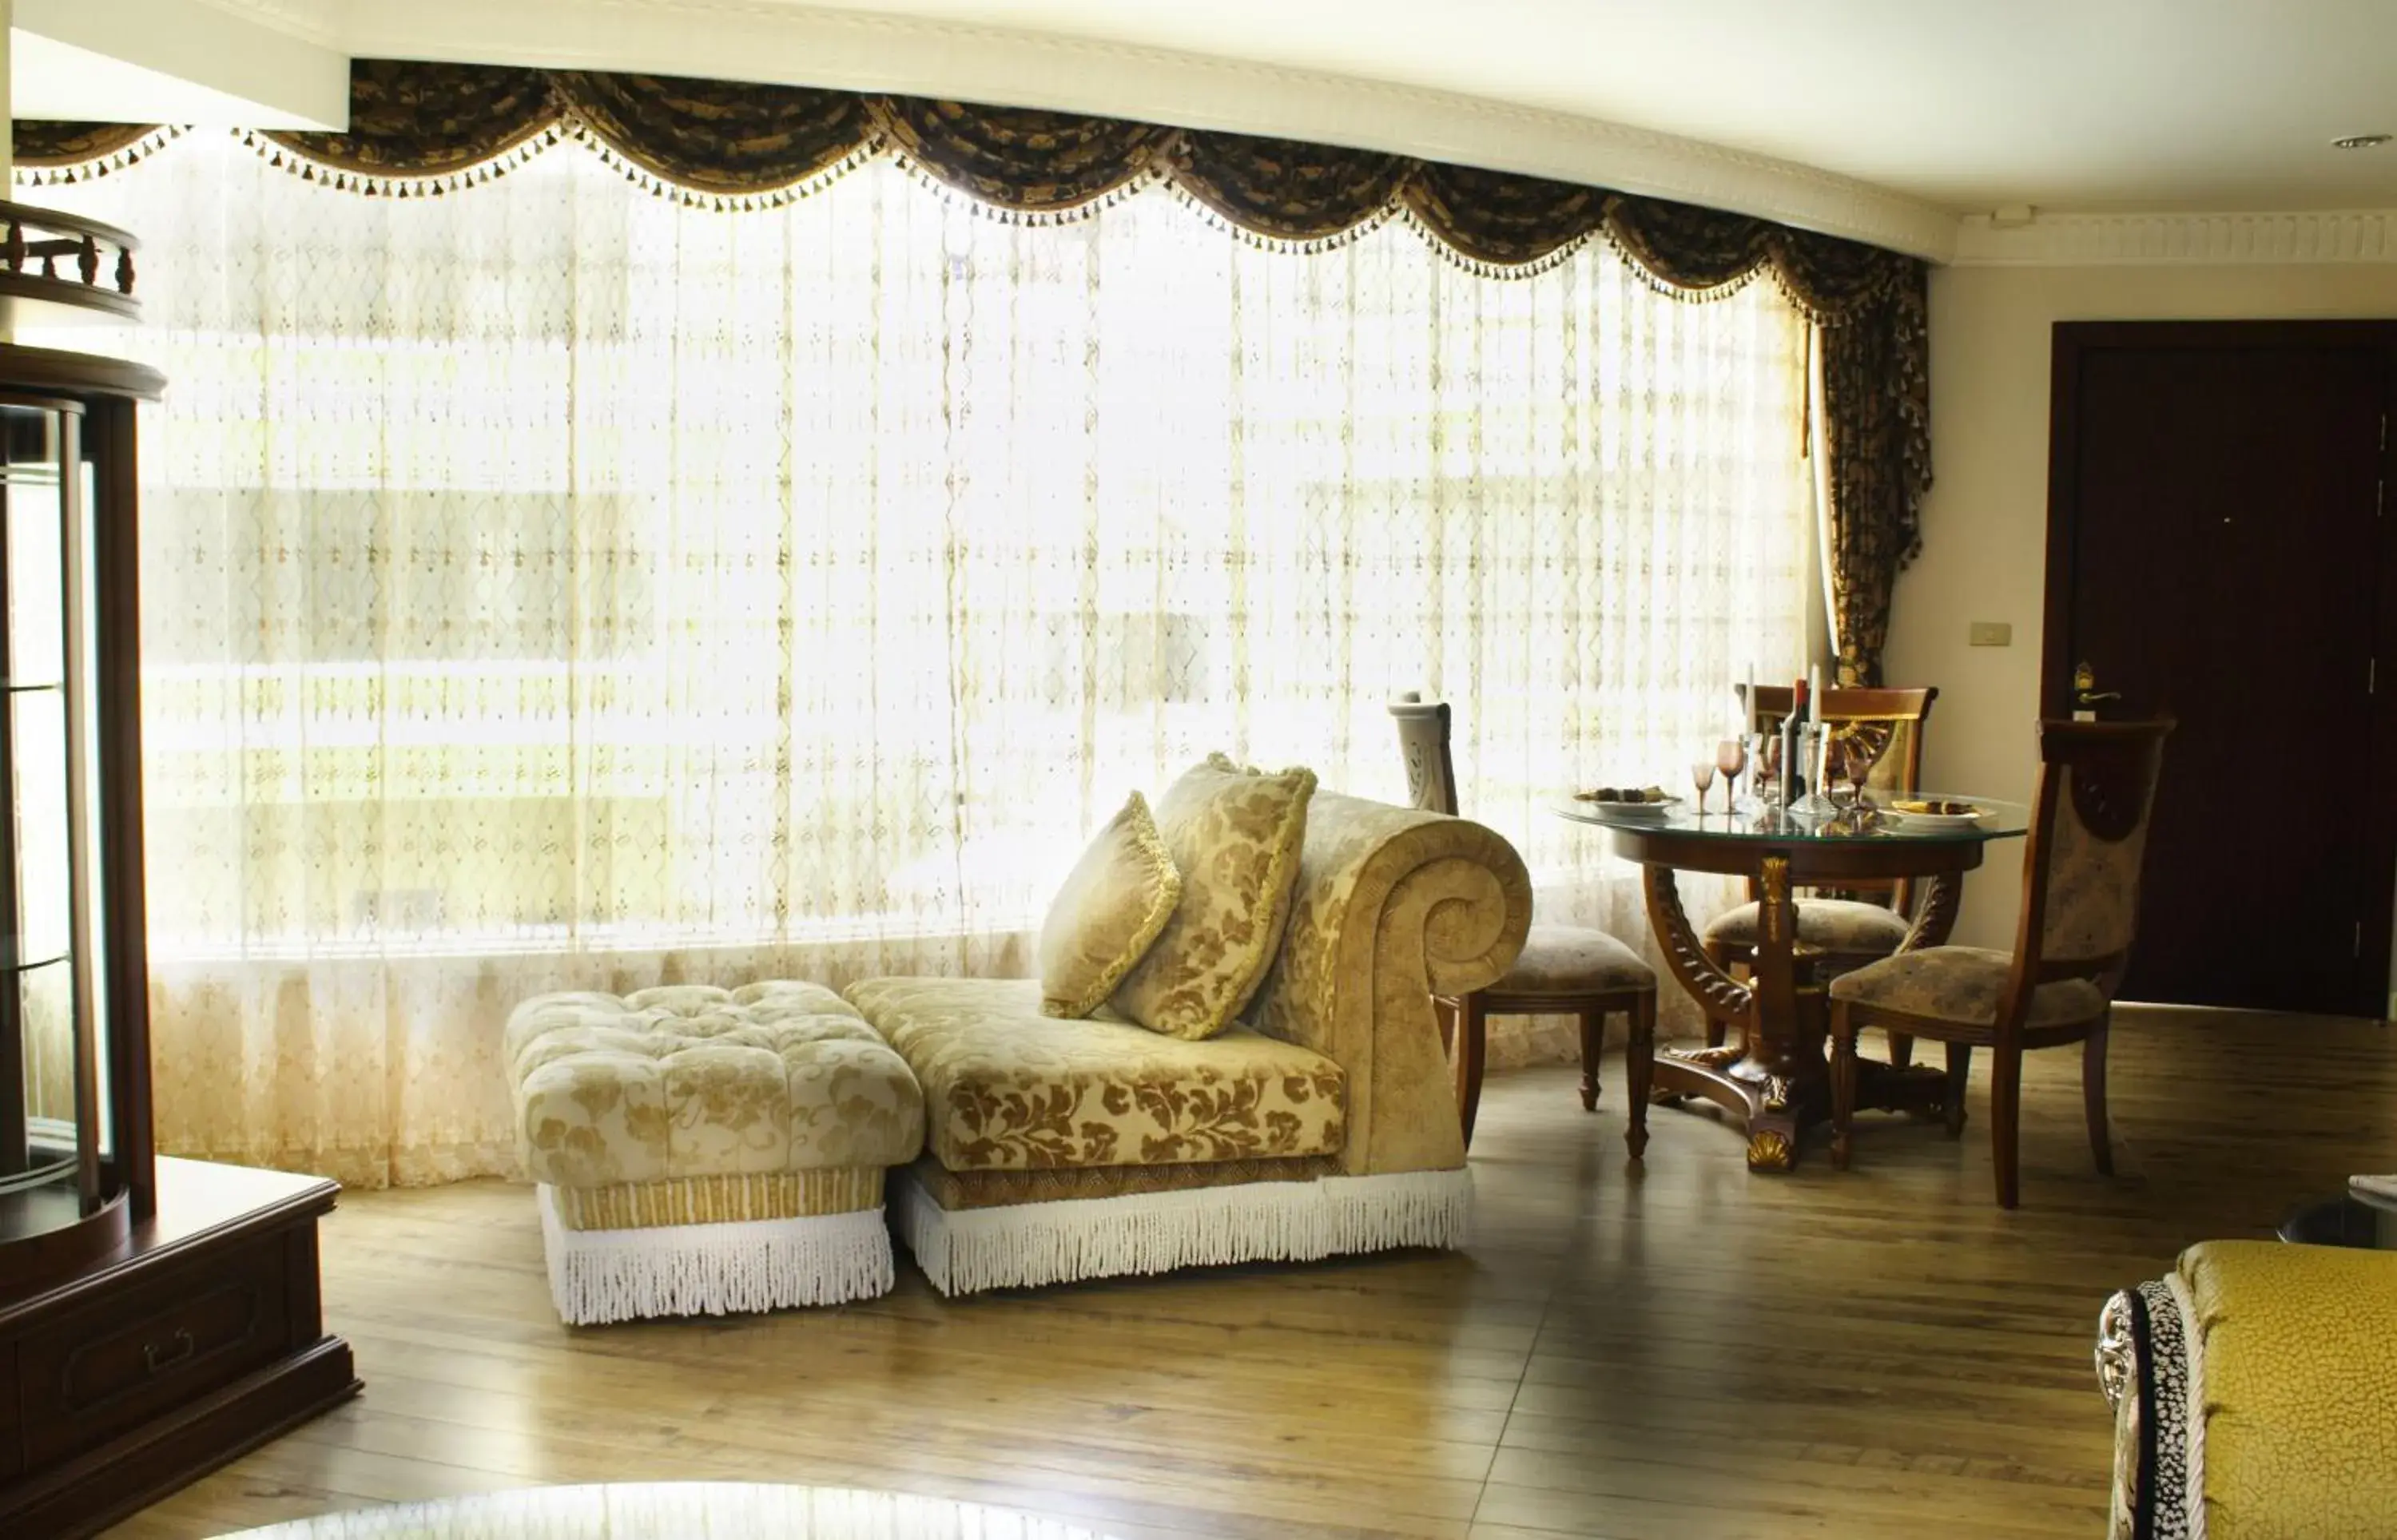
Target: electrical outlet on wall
{"x":1989,"y":633}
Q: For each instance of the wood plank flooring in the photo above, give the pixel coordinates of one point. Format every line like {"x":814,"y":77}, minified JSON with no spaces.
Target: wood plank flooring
{"x":1683,"y":1352}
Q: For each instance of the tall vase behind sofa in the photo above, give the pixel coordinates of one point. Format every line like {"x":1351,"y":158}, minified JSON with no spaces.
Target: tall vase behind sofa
{"x":1323,"y":1123}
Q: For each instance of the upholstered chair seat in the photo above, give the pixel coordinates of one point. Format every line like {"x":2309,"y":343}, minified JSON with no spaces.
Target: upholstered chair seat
{"x":1572,"y":960}
{"x":1835,"y":924}
{"x":1963,"y":986}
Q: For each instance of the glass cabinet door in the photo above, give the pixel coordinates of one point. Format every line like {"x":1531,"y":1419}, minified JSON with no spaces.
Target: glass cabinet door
{"x":51,"y":1045}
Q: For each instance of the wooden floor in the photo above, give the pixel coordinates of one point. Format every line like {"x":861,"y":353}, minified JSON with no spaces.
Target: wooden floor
{"x":1685,"y":1352}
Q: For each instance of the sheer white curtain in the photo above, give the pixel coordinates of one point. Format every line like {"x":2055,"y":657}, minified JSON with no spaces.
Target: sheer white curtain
{"x":547,"y":586}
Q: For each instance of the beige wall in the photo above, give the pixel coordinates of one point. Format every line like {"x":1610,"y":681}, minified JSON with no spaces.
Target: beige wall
{"x":1985,"y":523}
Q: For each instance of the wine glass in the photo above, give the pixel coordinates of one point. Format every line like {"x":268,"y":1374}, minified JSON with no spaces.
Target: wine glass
{"x":1860,"y":747}
{"x":1702,"y":776}
{"x":1764,"y":758}
{"x":1731,"y":758}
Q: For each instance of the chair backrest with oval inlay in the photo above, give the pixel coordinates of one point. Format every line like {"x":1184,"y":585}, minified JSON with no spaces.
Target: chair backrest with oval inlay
{"x":2088,"y":840}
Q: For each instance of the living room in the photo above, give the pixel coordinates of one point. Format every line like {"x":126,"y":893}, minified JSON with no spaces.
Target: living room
{"x":1015,"y":768}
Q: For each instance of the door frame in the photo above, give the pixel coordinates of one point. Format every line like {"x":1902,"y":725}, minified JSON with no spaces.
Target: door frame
{"x":2074,"y":343}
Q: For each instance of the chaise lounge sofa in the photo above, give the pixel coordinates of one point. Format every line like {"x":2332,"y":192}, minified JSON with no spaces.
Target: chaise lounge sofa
{"x":1321,"y":1122}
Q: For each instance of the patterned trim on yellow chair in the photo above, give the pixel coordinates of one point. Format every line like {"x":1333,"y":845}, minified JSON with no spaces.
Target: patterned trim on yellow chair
{"x":721,"y":1200}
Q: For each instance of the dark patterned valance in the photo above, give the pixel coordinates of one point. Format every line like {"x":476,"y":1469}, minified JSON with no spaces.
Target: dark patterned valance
{"x":1287,"y":189}
{"x":429,"y":120}
{"x":714,"y":138}
{"x":1021,"y":158}
{"x":424,"y":129}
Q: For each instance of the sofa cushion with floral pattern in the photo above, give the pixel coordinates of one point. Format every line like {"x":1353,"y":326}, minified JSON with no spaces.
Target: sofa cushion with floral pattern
{"x":1236,"y":836}
{"x":1109,"y":912}
{"x":1008,"y":1087}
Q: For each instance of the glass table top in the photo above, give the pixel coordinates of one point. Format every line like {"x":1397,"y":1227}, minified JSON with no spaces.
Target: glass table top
{"x":1993,"y":819}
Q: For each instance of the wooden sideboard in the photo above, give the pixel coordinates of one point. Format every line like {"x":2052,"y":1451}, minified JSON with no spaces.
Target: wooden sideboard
{"x":202,"y":1337}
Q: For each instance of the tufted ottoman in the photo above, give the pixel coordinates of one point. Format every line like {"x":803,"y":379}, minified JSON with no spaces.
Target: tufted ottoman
{"x":706,"y":1151}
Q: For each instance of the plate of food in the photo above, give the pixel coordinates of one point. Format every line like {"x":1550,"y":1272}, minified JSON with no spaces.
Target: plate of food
{"x":1639,"y":800}
{"x":1931,"y":814}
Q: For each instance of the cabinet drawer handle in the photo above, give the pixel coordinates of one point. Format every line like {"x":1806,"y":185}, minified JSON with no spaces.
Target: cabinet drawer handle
{"x":158,"y":1359}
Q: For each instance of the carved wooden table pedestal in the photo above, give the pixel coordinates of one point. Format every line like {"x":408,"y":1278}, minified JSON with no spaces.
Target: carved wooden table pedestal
{"x":1775,"y":1079}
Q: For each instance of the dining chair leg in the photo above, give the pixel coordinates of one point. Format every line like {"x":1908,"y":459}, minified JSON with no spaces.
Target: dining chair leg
{"x":1959,"y":1075}
{"x":1472,"y":1043}
{"x":1901,"y":1050}
{"x":1640,"y":1065}
{"x":1843,"y":1084}
{"x":2093,"y":1095}
{"x":1593,"y":1042}
{"x":2005,"y":1121}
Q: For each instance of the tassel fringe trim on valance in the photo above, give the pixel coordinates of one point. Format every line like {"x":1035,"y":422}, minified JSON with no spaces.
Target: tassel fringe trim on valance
{"x":373,"y":185}
{"x":1025,"y":1246}
{"x":92,"y":170}
{"x":716,"y":202}
{"x":1287,"y":245}
{"x":599,"y":1276}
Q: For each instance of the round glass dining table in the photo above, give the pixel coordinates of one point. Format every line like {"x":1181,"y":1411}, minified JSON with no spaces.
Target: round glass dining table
{"x":1775,"y":1079}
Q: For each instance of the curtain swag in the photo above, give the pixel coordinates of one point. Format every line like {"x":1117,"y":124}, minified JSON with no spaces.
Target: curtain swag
{"x":420,"y":129}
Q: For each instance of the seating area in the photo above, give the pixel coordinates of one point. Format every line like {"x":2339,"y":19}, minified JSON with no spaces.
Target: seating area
{"x":969,"y":772}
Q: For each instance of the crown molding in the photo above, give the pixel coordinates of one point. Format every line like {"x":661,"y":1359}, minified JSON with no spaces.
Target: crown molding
{"x":2148,"y":240}
{"x":787,"y":43}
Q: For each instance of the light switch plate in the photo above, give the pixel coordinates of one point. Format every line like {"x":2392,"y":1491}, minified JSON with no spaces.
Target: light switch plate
{"x":1989,"y":633}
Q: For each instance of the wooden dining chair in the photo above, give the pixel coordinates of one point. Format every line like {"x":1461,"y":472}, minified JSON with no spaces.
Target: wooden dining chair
{"x":1564,"y":970}
{"x":2080,"y":911}
{"x":1845,"y":931}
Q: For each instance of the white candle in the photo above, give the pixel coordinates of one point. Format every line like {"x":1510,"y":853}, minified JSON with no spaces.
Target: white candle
{"x":1747,"y":701}
{"x":1815,"y":688}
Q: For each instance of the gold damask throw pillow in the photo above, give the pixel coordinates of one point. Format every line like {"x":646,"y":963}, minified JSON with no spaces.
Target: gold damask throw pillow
{"x":1234,"y":835}
{"x":1115,"y":902}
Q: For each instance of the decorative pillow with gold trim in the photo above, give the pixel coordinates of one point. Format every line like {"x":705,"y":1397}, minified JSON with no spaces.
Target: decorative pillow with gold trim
{"x":1235,"y":835}
{"x":1115,"y":903}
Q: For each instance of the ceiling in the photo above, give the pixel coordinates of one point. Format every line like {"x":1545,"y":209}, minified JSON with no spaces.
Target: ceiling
{"x":1967,"y":104}
{"x":1885,"y":119}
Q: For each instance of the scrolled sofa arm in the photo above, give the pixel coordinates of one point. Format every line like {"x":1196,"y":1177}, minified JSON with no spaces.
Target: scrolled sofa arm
{"x":1393,"y":906}
{"x":2255,"y":1395}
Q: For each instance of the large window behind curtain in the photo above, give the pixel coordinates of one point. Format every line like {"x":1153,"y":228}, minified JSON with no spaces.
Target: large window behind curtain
{"x":550,"y":585}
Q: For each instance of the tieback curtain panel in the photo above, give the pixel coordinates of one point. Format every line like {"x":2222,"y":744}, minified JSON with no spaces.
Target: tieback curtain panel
{"x":420,"y":128}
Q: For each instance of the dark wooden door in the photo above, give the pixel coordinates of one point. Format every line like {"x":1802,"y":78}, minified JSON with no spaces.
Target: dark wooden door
{"x":2216,"y":551}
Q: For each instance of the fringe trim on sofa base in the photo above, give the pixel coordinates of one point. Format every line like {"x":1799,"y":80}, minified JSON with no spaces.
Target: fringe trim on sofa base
{"x":599,"y":1276}
{"x":1022,"y":1245}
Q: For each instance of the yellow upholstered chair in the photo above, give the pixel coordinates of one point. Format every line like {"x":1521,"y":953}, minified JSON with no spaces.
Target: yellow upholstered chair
{"x":1845,"y":931}
{"x":1564,"y":970}
{"x":2081,"y":910}
{"x":2255,"y":1395}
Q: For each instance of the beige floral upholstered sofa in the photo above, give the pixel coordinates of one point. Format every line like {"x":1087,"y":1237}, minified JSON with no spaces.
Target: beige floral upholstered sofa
{"x":1305,"y":1114}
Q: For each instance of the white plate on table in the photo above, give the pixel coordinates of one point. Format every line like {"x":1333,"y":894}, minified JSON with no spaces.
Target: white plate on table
{"x":1656,"y":810}
{"x":1929,"y":823}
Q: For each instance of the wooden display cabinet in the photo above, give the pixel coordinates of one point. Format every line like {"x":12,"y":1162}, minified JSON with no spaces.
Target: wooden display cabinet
{"x":158,"y":1317}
